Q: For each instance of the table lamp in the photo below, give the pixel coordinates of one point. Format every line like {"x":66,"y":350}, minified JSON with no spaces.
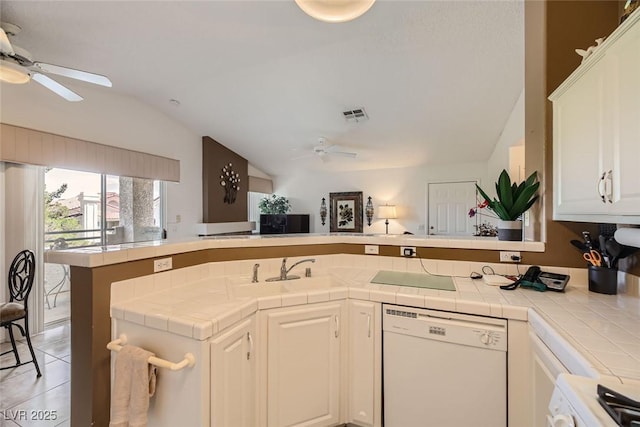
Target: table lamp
{"x":387,"y":212}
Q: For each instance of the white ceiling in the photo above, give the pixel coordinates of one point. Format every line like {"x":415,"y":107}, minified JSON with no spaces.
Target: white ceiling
{"x":438,"y":79}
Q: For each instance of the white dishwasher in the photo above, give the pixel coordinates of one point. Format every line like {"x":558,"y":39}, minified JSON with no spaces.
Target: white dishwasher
{"x":443,"y":369}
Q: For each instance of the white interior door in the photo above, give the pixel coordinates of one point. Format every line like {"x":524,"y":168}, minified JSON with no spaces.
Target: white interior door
{"x":448,"y":210}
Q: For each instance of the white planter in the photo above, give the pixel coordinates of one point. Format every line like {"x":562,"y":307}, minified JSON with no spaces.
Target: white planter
{"x":510,"y":230}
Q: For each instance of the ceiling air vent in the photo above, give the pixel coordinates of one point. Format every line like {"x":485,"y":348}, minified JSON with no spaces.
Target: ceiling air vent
{"x":356,"y":115}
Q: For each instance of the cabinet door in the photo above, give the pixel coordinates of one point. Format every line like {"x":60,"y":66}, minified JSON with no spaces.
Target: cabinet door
{"x":578,"y":116}
{"x":233,"y":377}
{"x":303,"y":378}
{"x":622,"y":62}
{"x":365,"y":367}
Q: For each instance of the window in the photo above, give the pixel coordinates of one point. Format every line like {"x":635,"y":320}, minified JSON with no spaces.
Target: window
{"x":252,"y":206}
{"x":89,"y":209}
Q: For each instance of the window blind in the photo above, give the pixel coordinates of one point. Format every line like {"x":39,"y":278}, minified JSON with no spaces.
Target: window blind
{"x":28,"y":146}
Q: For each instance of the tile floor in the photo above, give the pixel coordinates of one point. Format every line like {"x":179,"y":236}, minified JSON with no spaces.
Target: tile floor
{"x":25,"y":399}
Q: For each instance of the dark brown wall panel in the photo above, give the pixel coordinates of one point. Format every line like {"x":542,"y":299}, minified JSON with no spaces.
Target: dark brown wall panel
{"x":214,"y":157}
{"x":553,"y":30}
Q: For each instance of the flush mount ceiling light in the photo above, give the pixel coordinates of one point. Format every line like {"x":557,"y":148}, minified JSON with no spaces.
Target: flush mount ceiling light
{"x":335,"y":10}
{"x":13,"y":73}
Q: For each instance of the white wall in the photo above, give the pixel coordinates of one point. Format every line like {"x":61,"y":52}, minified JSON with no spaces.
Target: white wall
{"x":406,"y":188}
{"x":108,"y":118}
{"x":512,"y":135}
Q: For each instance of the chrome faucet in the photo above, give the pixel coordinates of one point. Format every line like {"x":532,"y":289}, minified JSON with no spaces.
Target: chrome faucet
{"x":284,"y":271}
{"x":255,"y":273}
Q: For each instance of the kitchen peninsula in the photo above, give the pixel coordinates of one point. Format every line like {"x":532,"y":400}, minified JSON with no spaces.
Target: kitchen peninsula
{"x":95,"y":269}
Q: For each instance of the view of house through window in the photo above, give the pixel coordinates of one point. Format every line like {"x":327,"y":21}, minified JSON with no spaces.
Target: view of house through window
{"x":90,"y":209}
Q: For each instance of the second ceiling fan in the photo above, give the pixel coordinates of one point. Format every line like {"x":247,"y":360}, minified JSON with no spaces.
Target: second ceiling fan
{"x":324,"y":149}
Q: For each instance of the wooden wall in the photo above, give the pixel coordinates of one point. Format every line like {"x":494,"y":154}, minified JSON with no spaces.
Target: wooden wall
{"x":214,"y":209}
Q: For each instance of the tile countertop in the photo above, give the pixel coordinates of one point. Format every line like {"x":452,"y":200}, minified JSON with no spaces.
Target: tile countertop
{"x":96,"y":256}
{"x":603,"y":329}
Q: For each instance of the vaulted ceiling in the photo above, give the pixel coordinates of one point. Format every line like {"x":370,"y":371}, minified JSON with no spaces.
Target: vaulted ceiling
{"x":438,"y":79}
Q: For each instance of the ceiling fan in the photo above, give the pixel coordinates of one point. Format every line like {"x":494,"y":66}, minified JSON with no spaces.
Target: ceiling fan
{"x":17,"y":66}
{"x":323,"y":149}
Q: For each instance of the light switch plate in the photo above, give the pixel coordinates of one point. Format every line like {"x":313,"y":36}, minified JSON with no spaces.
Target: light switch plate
{"x":162,"y":264}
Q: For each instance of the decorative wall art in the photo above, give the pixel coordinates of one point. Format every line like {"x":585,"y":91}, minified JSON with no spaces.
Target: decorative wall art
{"x":368,"y":211}
{"x":346,"y":212}
{"x":323,"y":211}
{"x":230,"y":180}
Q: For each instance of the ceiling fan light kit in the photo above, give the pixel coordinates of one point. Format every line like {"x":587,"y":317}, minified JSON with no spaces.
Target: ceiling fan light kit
{"x":17,"y":66}
{"x":335,"y":11}
{"x":13,"y":73}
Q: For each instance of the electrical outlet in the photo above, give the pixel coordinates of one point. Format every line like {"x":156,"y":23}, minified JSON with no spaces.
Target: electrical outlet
{"x":408,"y":251}
{"x":371,"y":249}
{"x":162,"y":264}
{"x":506,"y":256}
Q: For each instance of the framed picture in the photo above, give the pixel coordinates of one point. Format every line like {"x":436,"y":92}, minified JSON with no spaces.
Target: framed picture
{"x":346,"y":212}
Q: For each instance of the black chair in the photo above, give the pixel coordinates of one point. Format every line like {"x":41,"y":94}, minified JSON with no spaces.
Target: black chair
{"x":21,"y":275}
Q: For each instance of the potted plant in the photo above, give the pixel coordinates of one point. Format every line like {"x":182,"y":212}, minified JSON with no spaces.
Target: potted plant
{"x":512,"y":201}
{"x":274,"y":205}
{"x":275,"y":220}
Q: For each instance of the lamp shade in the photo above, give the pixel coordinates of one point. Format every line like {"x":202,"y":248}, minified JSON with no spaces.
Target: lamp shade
{"x":13,"y":73}
{"x":335,"y":10}
{"x":387,"y":212}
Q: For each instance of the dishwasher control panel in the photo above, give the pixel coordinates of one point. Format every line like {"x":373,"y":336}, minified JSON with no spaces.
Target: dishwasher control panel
{"x":457,"y":328}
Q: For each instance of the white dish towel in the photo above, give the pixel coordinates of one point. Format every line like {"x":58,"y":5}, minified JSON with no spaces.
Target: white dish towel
{"x":134,"y":383}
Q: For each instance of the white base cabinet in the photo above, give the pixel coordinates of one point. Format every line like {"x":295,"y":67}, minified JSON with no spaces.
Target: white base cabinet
{"x":233,"y":376}
{"x":596,"y":133}
{"x":365,"y":364}
{"x":304,"y":373}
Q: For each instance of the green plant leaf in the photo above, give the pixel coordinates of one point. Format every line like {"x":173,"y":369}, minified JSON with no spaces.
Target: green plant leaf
{"x":532,"y":179}
{"x":505,"y":191}
{"x":483,"y":194}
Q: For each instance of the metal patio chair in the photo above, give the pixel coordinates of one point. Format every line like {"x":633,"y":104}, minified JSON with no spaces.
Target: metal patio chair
{"x":21,"y":276}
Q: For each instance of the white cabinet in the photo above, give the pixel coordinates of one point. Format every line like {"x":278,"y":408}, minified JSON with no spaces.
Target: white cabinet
{"x":303,"y":369}
{"x":622,"y":70}
{"x":578,"y":145}
{"x":596,"y":133}
{"x":545,"y":369}
{"x":365,"y":363}
{"x":233,"y":376}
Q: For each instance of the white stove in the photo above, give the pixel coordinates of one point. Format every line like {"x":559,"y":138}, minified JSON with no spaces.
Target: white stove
{"x":574,"y":402}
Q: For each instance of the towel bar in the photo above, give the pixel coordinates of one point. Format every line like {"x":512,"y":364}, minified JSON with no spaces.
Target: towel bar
{"x":189,"y":359}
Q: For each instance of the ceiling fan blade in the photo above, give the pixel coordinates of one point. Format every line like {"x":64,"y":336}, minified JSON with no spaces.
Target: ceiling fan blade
{"x":343,"y":154}
{"x":5,"y":44}
{"x":56,"y":87}
{"x":74,"y":74}
{"x":303,"y":156}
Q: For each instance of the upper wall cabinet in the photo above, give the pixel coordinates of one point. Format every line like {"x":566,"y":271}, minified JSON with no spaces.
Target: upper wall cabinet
{"x":596,"y":133}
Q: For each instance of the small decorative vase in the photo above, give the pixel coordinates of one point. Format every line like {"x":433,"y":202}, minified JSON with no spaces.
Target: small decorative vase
{"x":510,"y":230}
